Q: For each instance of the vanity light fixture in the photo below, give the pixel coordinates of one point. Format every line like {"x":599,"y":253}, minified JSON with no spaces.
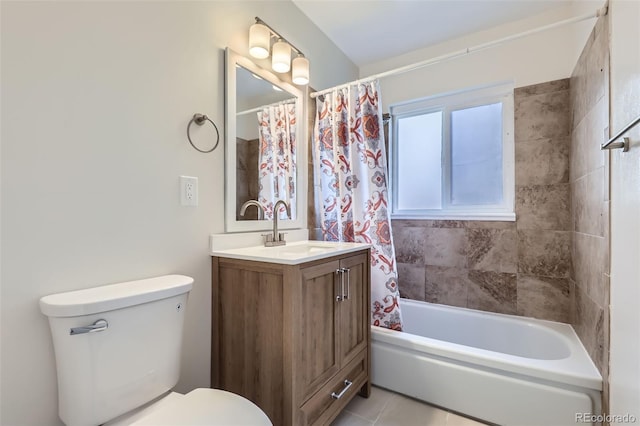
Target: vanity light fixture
{"x":259,"y":41}
{"x":300,"y":72}
{"x":260,"y":35}
{"x":281,"y":58}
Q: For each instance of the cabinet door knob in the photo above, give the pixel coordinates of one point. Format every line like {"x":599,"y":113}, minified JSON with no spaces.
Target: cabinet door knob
{"x":347,"y":385}
{"x":340,"y":291}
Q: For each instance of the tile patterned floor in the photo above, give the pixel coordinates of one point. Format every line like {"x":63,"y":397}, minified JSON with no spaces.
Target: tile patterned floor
{"x":384,"y":408}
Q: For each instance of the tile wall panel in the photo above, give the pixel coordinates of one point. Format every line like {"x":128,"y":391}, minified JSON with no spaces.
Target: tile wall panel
{"x":520,"y":267}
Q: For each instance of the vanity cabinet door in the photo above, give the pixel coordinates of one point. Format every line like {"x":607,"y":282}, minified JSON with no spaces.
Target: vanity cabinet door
{"x":350,"y":275}
{"x":354,"y":314}
{"x":319,"y":314}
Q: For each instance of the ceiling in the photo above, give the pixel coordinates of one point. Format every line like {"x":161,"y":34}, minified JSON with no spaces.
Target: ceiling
{"x":252,"y":91}
{"x":368,"y":31}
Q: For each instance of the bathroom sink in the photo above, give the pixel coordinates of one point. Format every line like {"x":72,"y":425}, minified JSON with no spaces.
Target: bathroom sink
{"x":304,"y":250}
{"x":292,"y":253}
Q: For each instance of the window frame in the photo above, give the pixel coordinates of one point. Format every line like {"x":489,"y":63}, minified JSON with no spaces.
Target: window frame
{"x":448,"y":102}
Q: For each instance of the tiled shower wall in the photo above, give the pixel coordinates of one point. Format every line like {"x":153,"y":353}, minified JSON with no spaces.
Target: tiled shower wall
{"x":246,"y":176}
{"x":590,"y":197}
{"x":520,"y":267}
{"x":313,"y":213}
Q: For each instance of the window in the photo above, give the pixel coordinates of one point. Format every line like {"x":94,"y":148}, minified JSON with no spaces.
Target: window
{"x":452,"y":156}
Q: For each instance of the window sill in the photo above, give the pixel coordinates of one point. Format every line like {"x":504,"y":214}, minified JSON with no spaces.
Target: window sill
{"x":496,"y":217}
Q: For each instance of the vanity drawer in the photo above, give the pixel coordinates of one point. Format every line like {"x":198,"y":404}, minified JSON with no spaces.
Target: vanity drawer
{"x":322,"y":408}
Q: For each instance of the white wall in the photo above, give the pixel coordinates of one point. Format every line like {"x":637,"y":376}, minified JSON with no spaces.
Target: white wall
{"x":247,"y":126}
{"x":546,"y":56}
{"x":96,"y":97}
{"x":624,"y":380}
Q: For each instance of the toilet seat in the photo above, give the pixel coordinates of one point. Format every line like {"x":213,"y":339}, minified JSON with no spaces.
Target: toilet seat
{"x":207,"y":407}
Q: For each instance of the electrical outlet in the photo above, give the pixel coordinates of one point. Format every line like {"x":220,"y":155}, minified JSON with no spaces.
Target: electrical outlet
{"x":188,"y":191}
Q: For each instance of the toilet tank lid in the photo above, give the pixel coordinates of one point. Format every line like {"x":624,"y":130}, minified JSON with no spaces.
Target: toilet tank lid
{"x":114,"y":296}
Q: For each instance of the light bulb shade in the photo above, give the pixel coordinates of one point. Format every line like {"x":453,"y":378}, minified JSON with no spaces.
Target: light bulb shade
{"x":281,"y":59}
{"x":300,"y":72}
{"x":259,"y":41}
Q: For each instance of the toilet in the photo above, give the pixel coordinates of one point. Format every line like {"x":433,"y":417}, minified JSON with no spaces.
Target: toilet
{"x":117,"y":350}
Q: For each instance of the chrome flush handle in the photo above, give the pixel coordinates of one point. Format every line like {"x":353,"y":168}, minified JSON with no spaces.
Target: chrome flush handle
{"x":100,"y":325}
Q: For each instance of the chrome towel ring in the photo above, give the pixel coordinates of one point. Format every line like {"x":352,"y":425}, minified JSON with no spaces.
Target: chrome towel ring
{"x":200,"y":119}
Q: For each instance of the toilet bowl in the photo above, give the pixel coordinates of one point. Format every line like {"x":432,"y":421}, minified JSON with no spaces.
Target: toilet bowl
{"x":117,"y":350}
{"x":198,"y":407}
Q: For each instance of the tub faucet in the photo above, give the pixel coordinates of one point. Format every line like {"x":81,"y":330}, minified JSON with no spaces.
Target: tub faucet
{"x":277,"y":238}
{"x":243,"y":209}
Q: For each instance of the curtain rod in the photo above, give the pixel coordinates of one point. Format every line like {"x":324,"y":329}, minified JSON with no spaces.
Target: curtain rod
{"x":411,"y":67}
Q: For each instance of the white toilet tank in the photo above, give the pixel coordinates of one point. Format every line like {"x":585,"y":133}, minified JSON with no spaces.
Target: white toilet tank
{"x":124,"y":363}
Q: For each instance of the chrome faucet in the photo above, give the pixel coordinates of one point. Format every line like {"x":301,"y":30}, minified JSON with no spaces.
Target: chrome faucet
{"x":243,"y":209}
{"x":277,"y":238}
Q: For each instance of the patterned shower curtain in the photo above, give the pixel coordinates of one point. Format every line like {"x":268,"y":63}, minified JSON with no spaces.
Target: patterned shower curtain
{"x":351,"y":164}
{"x":276,"y":160}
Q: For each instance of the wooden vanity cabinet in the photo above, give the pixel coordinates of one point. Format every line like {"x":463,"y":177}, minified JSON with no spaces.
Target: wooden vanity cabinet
{"x":292,"y":337}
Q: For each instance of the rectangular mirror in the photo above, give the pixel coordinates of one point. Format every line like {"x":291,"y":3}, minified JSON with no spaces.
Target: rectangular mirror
{"x":265,"y":146}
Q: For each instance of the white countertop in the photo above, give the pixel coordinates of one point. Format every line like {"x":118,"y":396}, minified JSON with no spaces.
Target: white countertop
{"x":293,"y":253}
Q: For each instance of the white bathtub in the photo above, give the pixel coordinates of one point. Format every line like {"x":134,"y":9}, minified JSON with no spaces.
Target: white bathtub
{"x":498,"y":368}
